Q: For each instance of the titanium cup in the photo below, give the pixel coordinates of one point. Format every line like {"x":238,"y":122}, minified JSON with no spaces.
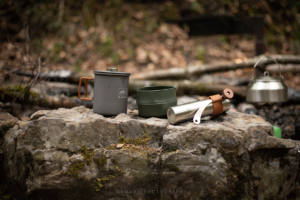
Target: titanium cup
{"x":110,"y":92}
{"x":154,"y":101}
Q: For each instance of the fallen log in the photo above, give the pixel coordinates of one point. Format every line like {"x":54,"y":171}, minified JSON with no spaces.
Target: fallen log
{"x":220,"y":80}
{"x":188,"y":87}
{"x":174,"y":73}
{"x":59,"y":88}
{"x":284,"y":68}
{"x":190,"y":71}
{"x":53,"y":76}
{"x":23,"y":95}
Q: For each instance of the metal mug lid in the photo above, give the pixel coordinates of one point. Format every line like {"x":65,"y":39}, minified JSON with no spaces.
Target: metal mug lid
{"x":112,"y":69}
{"x":111,"y":73}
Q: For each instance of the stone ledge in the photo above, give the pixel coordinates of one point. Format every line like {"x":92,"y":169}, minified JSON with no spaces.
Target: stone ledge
{"x":69,"y":150}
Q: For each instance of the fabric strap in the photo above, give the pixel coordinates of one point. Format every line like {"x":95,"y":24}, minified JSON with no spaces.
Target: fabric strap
{"x":217,"y":104}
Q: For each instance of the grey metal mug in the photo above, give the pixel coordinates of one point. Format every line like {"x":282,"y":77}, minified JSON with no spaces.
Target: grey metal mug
{"x":110,"y":92}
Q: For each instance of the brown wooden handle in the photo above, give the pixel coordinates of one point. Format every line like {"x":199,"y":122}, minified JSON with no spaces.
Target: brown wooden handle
{"x":86,"y":84}
{"x":227,"y":93}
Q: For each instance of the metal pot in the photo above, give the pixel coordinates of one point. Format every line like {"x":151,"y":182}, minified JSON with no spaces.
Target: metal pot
{"x":266,"y":89}
{"x":110,"y":91}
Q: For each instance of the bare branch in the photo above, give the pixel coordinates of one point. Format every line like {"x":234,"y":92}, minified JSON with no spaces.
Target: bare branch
{"x":11,"y":71}
{"x":27,"y":44}
{"x":40,"y":65}
{"x":61,"y":11}
{"x":186,"y":73}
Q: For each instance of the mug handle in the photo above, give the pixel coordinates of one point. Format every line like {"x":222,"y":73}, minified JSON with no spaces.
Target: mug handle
{"x":86,"y":88}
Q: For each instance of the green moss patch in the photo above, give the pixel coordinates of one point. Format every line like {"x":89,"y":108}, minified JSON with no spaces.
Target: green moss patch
{"x":111,"y":147}
{"x":143,"y":141}
{"x":122,"y":140}
{"x":101,"y":162}
{"x":173,"y":168}
{"x":170,"y":149}
{"x":132,"y":158}
{"x":86,"y":155}
{"x":119,"y":171}
{"x":100,"y":182}
{"x":74,"y":169}
{"x":39,"y":157}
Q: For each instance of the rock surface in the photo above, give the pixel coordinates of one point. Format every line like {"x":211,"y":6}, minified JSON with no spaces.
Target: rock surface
{"x":7,"y":120}
{"x":68,"y":154}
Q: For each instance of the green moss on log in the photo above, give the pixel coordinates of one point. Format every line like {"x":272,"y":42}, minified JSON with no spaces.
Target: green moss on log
{"x":21,"y":93}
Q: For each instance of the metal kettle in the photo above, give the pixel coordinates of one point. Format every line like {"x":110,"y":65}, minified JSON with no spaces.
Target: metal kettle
{"x":266,"y":89}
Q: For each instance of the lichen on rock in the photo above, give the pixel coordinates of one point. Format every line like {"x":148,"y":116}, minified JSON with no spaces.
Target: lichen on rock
{"x":74,"y":169}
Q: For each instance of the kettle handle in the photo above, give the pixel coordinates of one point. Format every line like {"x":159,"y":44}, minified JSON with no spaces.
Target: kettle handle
{"x":266,"y":72}
{"x":86,"y":88}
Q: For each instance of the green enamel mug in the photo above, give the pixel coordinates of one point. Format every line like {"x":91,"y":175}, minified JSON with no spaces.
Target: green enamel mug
{"x":154,"y":101}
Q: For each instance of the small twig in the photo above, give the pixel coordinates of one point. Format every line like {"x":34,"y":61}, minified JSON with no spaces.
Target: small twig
{"x":11,"y":71}
{"x":61,"y":11}
{"x":32,"y":82}
{"x":22,"y":54}
{"x":38,"y":74}
{"x":19,"y":94}
{"x":186,"y":56}
{"x":40,"y":66}
{"x":27,"y":44}
{"x":17,"y":49}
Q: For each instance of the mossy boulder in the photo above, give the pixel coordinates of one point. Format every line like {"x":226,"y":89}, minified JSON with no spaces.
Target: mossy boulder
{"x":72,"y":154}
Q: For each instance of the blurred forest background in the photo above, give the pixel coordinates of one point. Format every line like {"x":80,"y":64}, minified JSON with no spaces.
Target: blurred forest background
{"x":132,"y":35}
{"x":39,"y":37}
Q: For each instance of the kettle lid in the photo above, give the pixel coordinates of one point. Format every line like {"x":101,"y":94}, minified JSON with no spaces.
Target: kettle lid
{"x":267,"y":78}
